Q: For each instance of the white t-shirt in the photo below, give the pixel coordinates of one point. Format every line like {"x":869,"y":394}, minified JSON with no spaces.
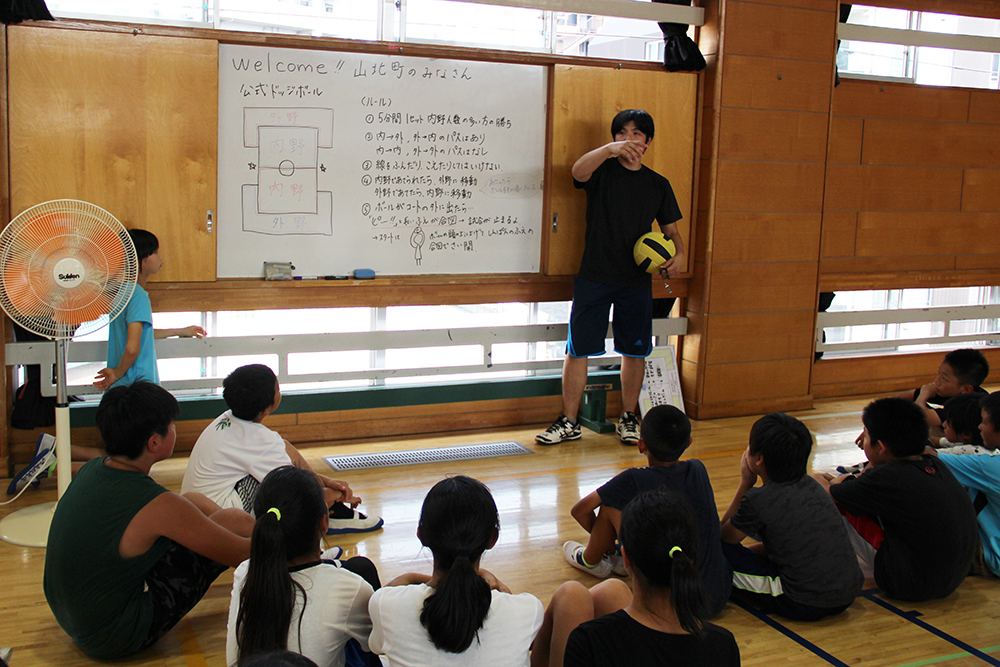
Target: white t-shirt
{"x":228,"y":450}
{"x":504,"y":639}
{"x":336,"y":610}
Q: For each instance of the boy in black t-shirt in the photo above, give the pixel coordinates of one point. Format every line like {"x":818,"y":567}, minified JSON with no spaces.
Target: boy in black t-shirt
{"x":804,"y":568}
{"x":912,"y":520}
{"x":666,"y":433}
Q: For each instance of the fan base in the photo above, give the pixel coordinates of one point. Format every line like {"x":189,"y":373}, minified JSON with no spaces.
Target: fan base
{"x":28,"y":527}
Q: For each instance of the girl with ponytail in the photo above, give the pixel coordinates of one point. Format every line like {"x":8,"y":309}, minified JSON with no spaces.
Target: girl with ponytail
{"x":460,"y":614}
{"x":661,"y":622}
{"x":288,"y":596}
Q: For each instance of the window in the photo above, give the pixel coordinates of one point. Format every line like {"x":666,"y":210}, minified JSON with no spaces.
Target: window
{"x":926,"y":64}
{"x":448,"y":22}
{"x":912,"y":320}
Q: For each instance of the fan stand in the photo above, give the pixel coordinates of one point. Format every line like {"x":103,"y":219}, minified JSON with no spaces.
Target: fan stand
{"x":29,"y":527}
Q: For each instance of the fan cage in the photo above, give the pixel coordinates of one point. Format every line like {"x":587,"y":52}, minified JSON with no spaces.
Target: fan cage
{"x":67,"y":268}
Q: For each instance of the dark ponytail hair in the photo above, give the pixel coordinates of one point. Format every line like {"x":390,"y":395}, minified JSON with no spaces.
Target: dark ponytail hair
{"x":458,"y":522}
{"x":653,"y":525}
{"x":292,"y":530}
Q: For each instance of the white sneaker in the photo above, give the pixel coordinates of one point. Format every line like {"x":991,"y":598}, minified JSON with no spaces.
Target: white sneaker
{"x":628,"y":428}
{"x":561,"y":430}
{"x":617,"y":564}
{"x":573,"y":551}
{"x":343,"y":519}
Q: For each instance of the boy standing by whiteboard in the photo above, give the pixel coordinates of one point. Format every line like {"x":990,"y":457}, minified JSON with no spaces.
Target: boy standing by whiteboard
{"x":624,"y":197}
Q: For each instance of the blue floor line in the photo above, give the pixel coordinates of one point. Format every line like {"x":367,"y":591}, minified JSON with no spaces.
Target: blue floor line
{"x":913,"y":617}
{"x":798,"y":639}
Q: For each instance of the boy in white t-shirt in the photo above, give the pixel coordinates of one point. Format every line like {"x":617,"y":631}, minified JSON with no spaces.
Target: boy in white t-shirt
{"x":236,"y":451}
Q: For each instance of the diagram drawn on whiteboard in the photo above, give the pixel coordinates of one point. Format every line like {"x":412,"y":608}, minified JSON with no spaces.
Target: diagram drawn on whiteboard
{"x":286,"y":198}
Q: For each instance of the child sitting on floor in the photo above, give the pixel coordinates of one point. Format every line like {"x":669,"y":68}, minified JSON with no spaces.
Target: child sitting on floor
{"x":460,"y":614}
{"x":978,"y":469}
{"x":913,"y":522}
{"x":288,"y":594}
{"x":804,"y":568}
{"x":665,"y":435}
{"x":236,"y":451}
{"x":661,"y":622}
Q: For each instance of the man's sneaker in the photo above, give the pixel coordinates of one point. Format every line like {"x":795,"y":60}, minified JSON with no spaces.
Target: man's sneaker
{"x":628,"y":428}
{"x":343,"y":519}
{"x":40,"y":464}
{"x":616,"y":563}
{"x":573,"y":551}
{"x":561,"y":430}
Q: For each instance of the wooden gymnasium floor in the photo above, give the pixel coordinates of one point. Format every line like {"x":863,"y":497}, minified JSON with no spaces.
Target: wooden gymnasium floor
{"x":534,"y":494}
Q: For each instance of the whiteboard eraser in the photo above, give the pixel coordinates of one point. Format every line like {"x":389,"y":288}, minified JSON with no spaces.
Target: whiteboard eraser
{"x":364,"y":274}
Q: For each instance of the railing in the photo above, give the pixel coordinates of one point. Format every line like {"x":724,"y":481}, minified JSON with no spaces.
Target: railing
{"x":43,"y":352}
{"x":947,"y":316}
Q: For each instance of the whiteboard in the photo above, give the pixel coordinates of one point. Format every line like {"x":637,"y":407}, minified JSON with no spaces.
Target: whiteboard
{"x":406,"y":166}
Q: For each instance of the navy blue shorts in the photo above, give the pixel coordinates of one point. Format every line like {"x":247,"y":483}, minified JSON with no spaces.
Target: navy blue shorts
{"x":588,"y":321}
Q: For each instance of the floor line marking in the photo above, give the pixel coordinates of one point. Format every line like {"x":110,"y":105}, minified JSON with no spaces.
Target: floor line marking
{"x":946,"y":658}
{"x":799,"y":639}
{"x":913,"y":617}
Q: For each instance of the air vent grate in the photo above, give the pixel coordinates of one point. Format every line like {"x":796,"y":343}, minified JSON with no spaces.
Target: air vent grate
{"x":417,"y":456}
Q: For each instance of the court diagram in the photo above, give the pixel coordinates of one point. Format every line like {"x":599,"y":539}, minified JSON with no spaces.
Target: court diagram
{"x":287,"y":199}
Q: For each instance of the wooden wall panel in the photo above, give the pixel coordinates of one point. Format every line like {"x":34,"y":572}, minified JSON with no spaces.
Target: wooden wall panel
{"x":900,"y":101}
{"x":981,"y":191}
{"x":920,"y":233}
{"x":884,"y":265}
{"x":758,"y":134}
{"x":766,"y":287}
{"x":910,"y":189}
{"x":737,"y":337}
{"x":768,"y":380}
{"x":966,"y":262}
{"x":773,"y":83}
{"x":895,"y":142}
{"x":769,"y":186}
{"x":755,"y":29}
{"x":839,"y":232}
{"x":586,"y":99}
{"x":751,"y":237}
{"x":127,"y":122}
{"x":845,"y":140}
{"x":843,"y":188}
{"x":985,"y":107}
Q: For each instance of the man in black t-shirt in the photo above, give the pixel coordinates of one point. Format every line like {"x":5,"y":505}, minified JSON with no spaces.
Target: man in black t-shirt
{"x":624,"y":197}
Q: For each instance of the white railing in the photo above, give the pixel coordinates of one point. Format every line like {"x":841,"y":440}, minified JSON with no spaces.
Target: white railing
{"x":43,"y":352}
{"x":947,"y":316}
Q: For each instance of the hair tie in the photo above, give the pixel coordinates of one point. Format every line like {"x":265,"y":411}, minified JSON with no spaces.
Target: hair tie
{"x":276,"y":512}
{"x":673,"y":550}
{"x":463,"y":552}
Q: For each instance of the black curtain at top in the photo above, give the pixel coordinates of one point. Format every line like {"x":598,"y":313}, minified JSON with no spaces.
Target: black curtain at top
{"x":15,"y":11}
{"x":680,"y":53}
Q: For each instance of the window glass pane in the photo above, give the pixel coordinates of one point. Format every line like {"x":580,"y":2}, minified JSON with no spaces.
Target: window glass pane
{"x":350,"y":19}
{"x":278,"y":322}
{"x":480,"y":25}
{"x":607,"y":37}
{"x":165,"y":10}
{"x":947,"y":67}
{"x":873,"y":59}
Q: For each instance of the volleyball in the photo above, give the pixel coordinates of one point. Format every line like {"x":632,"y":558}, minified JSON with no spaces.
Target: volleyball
{"x":652,"y":250}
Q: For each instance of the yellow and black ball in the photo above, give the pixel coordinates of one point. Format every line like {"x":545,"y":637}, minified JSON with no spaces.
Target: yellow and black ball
{"x":652,"y":250}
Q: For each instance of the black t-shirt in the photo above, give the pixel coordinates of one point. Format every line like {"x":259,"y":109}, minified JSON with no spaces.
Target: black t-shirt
{"x":942,"y":400}
{"x":690,"y":479}
{"x":621,"y":207}
{"x":805,"y":538}
{"x":618,"y":640}
{"x":929,"y":523}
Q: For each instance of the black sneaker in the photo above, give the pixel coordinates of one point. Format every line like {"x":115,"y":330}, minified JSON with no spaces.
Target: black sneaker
{"x":561,"y":430}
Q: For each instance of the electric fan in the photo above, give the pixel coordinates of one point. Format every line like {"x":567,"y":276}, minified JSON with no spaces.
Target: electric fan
{"x":67,"y":268}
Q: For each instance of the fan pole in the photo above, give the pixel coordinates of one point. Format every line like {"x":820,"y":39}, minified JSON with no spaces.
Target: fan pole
{"x":64,"y":453}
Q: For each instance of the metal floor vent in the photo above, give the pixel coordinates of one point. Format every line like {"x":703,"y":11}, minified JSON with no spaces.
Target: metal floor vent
{"x":417,"y":456}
